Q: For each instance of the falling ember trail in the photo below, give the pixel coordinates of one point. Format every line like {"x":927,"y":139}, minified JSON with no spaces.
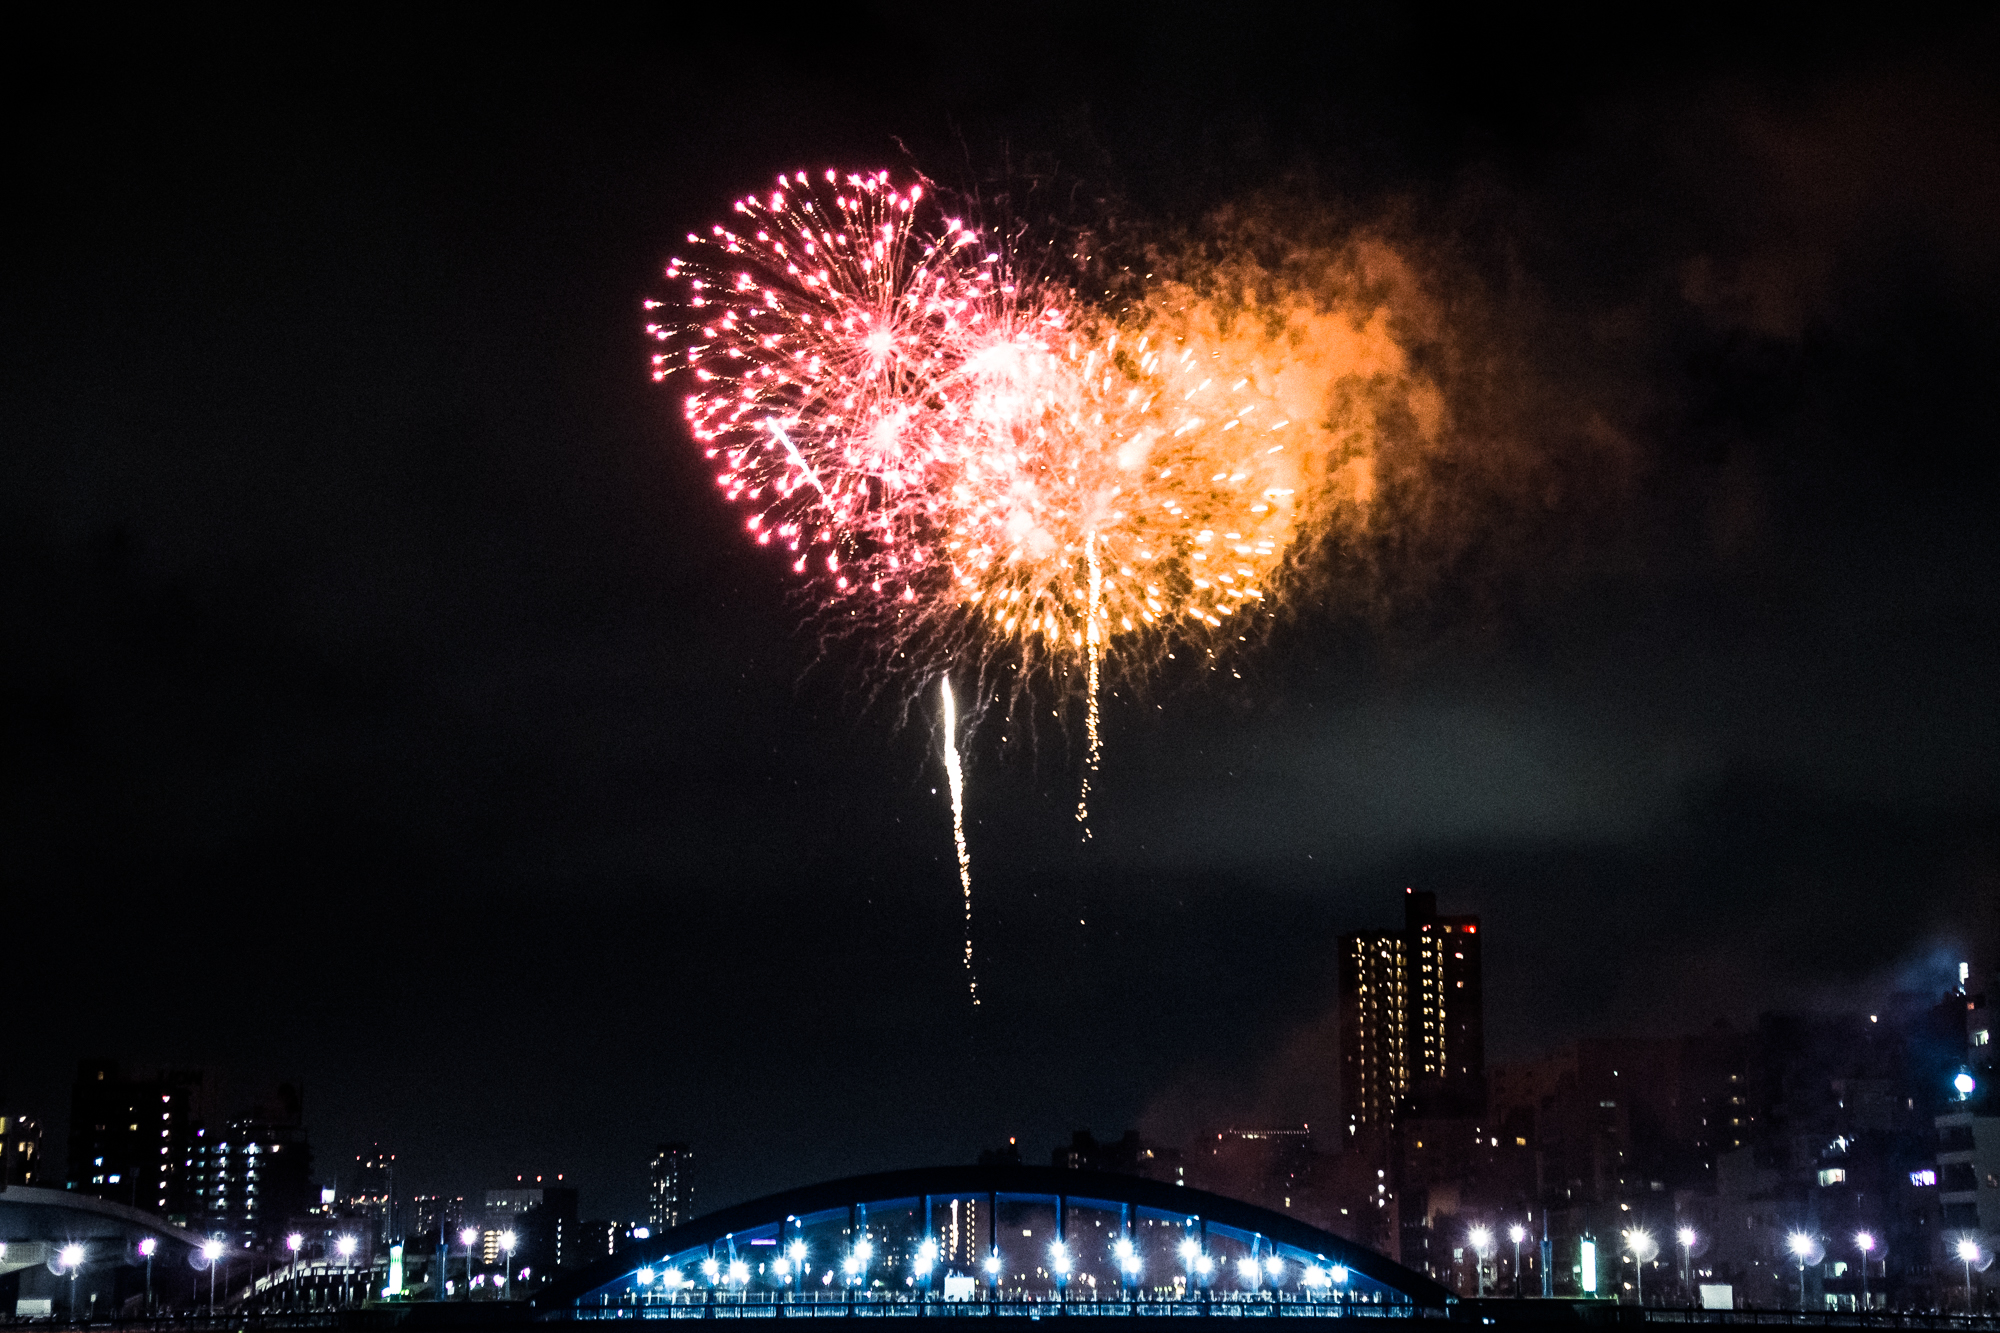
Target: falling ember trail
{"x":955,"y":774}
{"x":1093,"y":745}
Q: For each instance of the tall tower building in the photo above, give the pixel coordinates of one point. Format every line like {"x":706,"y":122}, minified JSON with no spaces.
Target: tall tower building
{"x":670,"y":1191}
{"x":1447,"y":1020}
{"x":1412,"y":1025}
{"x":1374,"y":1029}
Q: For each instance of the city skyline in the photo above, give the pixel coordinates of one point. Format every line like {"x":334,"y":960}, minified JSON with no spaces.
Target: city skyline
{"x":399,"y":710}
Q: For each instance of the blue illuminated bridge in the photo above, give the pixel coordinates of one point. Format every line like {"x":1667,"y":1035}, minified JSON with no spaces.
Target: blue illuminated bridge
{"x":989,"y":1241}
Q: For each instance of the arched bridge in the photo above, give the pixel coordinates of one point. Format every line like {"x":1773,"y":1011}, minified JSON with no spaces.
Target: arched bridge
{"x":991,"y":1240}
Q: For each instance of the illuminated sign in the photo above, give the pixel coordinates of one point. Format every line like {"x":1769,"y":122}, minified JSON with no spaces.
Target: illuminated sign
{"x":1923,"y":1177}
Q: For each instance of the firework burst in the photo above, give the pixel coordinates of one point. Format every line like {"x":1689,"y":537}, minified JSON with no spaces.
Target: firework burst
{"x":970,"y":466}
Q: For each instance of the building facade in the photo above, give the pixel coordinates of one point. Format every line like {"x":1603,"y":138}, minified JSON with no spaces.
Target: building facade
{"x":131,"y":1137}
{"x":670,"y":1186}
{"x":1412,"y":1018}
{"x":21,"y":1161}
{"x":252,"y":1175}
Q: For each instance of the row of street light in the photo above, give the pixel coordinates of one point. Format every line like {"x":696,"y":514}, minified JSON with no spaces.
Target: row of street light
{"x":72,"y":1258}
{"x":1643,"y":1248}
{"x":792,"y":1267}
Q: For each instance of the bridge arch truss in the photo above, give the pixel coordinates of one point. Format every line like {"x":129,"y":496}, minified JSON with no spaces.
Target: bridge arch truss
{"x":966,"y":1241}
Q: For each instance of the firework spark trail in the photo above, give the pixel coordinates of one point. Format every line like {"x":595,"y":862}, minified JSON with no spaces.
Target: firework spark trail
{"x":955,"y":775}
{"x":1093,"y":747}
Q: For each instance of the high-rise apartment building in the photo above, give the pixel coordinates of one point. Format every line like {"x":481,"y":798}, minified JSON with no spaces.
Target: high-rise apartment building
{"x":1447,"y":1019}
{"x":1374,"y":1028}
{"x":670,"y":1190}
{"x":1412,"y":1025}
{"x":250,"y":1175}
{"x":131,"y":1136}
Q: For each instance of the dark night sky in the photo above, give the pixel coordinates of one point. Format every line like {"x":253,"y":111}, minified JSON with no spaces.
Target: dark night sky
{"x":390,"y":705}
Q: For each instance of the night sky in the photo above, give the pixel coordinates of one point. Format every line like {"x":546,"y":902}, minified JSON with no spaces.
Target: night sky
{"x":392,"y":704}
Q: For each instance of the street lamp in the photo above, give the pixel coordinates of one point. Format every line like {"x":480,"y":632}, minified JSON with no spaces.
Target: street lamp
{"x":1686,"y":1238}
{"x":1801,"y":1245}
{"x":211,"y":1250}
{"x":508,"y":1240}
{"x":1128,"y":1262}
{"x":796,"y":1254}
{"x":1517,"y":1233}
{"x":1190,"y":1252}
{"x":1968,"y":1253}
{"x":148,"y":1248}
{"x":345,"y":1248}
{"x":71,"y":1257}
{"x":468,"y":1238}
{"x":1481,"y":1240}
{"x":1644,"y":1248}
{"x":1865,"y":1243}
